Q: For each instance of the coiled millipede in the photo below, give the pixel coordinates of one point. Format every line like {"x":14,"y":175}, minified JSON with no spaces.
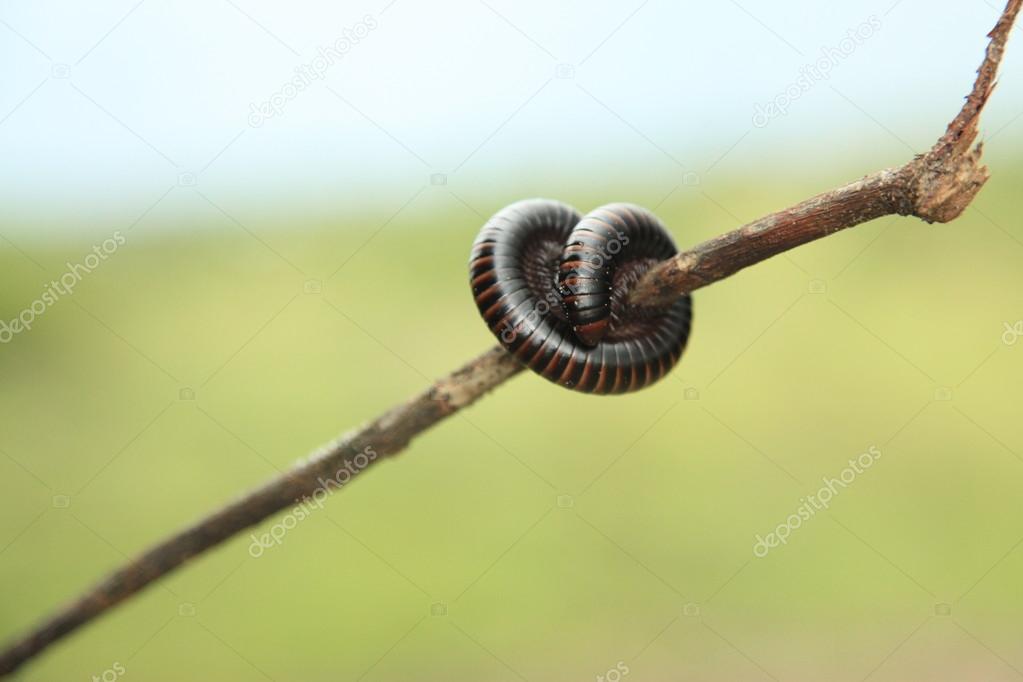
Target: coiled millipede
{"x":552,"y":286}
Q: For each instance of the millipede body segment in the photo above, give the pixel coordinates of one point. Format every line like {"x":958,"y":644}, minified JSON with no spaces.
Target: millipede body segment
{"x":552,"y":286}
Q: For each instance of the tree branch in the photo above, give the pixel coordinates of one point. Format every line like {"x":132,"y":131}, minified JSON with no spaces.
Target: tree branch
{"x":936,"y":187}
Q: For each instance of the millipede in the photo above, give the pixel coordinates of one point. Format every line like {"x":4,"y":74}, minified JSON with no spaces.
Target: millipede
{"x":552,"y":286}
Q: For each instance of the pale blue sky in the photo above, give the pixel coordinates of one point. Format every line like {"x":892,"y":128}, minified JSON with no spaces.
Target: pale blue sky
{"x":113,"y":102}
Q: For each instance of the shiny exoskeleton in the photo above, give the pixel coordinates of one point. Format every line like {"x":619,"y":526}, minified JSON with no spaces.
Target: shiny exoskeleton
{"x":552,"y":285}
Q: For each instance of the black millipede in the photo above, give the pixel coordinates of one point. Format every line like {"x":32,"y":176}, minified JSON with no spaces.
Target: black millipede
{"x":552,"y":286}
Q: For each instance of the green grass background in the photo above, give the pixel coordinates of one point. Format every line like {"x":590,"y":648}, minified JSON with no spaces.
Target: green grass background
{"x":793,"y":367}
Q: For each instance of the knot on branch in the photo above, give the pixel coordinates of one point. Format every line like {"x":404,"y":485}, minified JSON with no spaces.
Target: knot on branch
{"x":946,"y":179}
{"x":553,"y":286}
{"x":944,"y":186}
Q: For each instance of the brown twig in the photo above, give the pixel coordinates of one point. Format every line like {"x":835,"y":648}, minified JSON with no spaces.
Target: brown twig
{"x":936,"y":187}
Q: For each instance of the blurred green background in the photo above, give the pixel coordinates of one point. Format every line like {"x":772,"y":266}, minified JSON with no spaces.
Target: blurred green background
{"x":282,"y":283}
{"x":888,"y":335}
